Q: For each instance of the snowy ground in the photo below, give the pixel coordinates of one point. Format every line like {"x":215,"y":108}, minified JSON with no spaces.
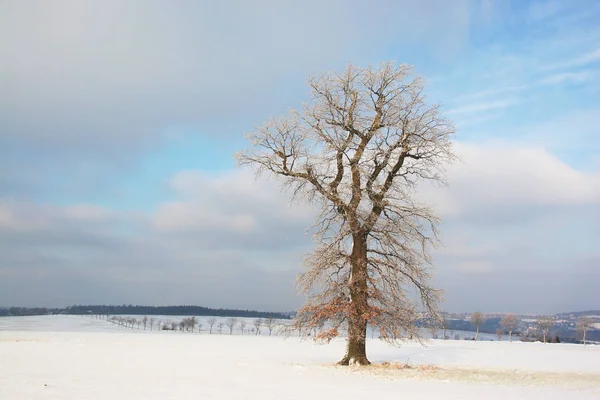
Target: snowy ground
{"x":66,"y":357}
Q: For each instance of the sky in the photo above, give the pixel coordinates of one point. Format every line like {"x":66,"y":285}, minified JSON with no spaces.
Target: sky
{"x":119,"y":121}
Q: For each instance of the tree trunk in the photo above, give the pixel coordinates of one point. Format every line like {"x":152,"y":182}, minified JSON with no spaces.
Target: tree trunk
{"x":510,"y":336}
{"x":356,"y":351}
{"x":477,"y":333}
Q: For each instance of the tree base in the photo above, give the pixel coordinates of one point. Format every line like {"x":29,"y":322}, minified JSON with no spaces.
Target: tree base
{"x":359,"y":360}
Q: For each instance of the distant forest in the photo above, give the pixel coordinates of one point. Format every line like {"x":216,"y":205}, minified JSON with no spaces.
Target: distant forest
{"x":140,"y":310}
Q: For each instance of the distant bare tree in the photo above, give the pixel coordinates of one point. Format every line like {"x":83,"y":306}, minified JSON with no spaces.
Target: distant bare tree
{"x":174,"y":326}
{"x":499,"y":333}
{"x":477,"y":319}
{"x":152,"y":321}
{"x":189,"y":324}
{"x":231,"y":324}
{"x":211,"y":322}
{"x":509,"y":322}
{"x":199,"y":327}
{"x":583,"y":324}
{"x":242,"y":325}
{"x":433,"y":330}
{"x":220,"y":326}
{"x":444,"y":322}
{"x":545,"y":324}
{"x":145,"y":322}
{"x":358,"y":151}
{"x":270,"y":323}
{"x":257,"y":324}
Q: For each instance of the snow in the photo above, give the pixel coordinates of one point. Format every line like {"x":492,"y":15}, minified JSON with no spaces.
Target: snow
{"x":67,"y":357}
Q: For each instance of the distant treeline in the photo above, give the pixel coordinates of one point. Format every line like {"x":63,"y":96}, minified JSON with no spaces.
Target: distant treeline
{"x":25,"y":311}
{"x":140,"y":310}
{"x":579,"y":313}
{"x":490,"y":325}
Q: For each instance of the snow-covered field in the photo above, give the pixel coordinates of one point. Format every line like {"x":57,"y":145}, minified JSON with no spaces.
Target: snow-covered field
{"x":67,"y":357}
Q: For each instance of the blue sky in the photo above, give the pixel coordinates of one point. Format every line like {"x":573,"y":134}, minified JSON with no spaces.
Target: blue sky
{"x":119,"y":120}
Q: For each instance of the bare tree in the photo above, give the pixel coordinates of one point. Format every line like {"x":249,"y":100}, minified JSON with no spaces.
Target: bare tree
{"x":188,"y":324}
{"x":211,"y":322}
{"x":433,"y":329}
{"x":242,"y":325}
{"x":230,"y":322}
{"x":257,"y":324}
{"x":270,"y":323}
{"x":545,"y":324}
{"x":499,"y":333}
{"x":509,"y":322}
{"x":477,"y":319}
{"x":358,"y":151}
{"x":199,"y":327}
{"x":444,"y":322}
{"x":372,"y":332}
{"x":152,"y":321}
{"x":583,"y":324}
{"x":220,"y":326}
{"x":145,"y":322}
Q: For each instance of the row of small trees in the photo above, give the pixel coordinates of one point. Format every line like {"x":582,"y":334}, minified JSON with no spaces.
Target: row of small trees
{"x":192,"y":324}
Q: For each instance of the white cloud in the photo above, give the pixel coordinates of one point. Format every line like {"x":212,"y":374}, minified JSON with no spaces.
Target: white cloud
{"x":499,"y":176}
{"x":237,"y":192}
{"x":15,"y":217}
{"x":185,"y":217}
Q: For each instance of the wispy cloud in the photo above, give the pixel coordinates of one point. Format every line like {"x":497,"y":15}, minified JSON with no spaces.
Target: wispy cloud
{"x":493,"y":92}
{"x":581,"y":60}
{"x":564,"y":77}
{"x":540,"y":11}
{"x":486,"y":106}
